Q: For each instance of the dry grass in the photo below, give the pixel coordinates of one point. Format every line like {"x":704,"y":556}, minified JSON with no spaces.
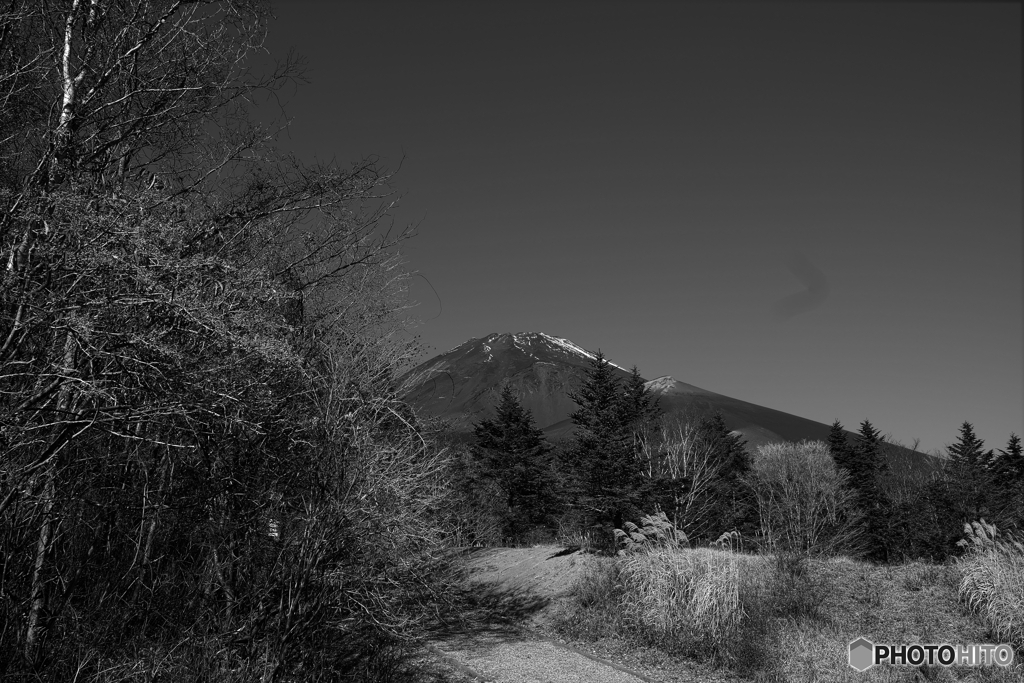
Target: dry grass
{"x":789,"y":617}
{"x":687,"y":600}
{"x":993,"y":581}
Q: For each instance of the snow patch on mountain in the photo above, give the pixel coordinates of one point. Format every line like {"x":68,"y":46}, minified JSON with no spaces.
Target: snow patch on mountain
{"x":661,"y":384}
{"x":570,"y":347}
{"x":525,"y":342}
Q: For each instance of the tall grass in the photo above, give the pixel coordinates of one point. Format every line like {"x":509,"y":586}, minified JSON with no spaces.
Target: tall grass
{"x":790,"y":616}
{"x":993,"y":580}
{"x":710,"y":604}
{"x":684,"y":600}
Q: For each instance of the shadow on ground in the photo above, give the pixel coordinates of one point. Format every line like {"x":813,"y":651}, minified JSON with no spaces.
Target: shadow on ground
{"x":494,"y":597}
{"x":484,"y":608}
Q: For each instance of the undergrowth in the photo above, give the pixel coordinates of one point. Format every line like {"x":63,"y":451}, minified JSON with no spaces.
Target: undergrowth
{"x":993,"y":580}
{"x":708,"y":604}
{"x":790,"y":617}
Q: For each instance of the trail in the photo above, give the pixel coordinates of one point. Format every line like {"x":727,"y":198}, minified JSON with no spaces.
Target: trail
{"x":523,"y":585}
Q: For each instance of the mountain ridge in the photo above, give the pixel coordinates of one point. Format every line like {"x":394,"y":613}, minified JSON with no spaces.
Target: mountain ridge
{"x":462,"y":386}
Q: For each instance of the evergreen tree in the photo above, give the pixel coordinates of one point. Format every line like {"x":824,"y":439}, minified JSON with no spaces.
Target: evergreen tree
{"x":735,"y":504}
{"x":637,"y":410}
{"x":611,"y":486}
{"x":638,"y":405}
{"x":867,"y":466}
{"x":512,"y":452}
{"x":970,"y":481}
{"x":867,"y":453}
{"x":598,"y":399}
{"x":1007,"y":476}
{"x":838,"y":445}
{"x":1008,"y":465}
{"x":968,"y":451}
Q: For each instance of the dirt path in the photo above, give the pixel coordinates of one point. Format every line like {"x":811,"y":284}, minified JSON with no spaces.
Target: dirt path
{"x":524,"y":585}
{"x":492,"y":657}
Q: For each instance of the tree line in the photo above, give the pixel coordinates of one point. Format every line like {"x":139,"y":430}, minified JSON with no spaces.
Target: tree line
{"x":622,"y":462}
{"x":857,"y":495}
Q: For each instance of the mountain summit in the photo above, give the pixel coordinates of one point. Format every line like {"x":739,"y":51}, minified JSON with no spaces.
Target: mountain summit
{"x":463,"y":384}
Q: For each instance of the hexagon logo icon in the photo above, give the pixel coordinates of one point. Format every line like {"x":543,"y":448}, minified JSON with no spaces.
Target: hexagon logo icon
{"x":861,"y":651}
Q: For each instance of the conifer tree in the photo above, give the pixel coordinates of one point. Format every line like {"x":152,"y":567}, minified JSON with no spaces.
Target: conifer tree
{"x":969,"y":477}
{"x":598,"y":399}
{"x":513,"y":453}
{"x":867,"y":466}
{"x":637,"y":405}
{"x":842,"y":454}
{"x":969,"y":450}
{"x":867,"y":452}
{"x":1009,"y":463}
{"x":638,"y":409}
{"x":611,"y":486}
{"x":736,"y":506}
{"x":1006,"y":471}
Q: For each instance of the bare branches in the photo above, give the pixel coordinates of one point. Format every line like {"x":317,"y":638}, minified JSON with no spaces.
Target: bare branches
{"x":199,"y":338}
{"x":681,"y":452}
{"x":804,"y":500}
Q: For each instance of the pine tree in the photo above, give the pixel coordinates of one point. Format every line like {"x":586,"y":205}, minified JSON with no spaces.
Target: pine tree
{"x":512,"y":452}
{"x":735,"y":505}
{"x":637,"y":410}
{"x":838,"y":445}
{"x":1009,"y":464}
{"x":867,"y":466}
{"x":867,"y":452}
{"x":968,"y":451}
{"x":598,"y":399}
{"x":638,"y":405}
{"x":611,"y":485}
{"x":1006,"y":471}
{"x":970,"y":478}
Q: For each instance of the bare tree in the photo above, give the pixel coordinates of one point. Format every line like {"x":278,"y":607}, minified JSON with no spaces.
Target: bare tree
{"x":804,"y":501}
{"x":188,"y":318}
{"x":680,"y":453}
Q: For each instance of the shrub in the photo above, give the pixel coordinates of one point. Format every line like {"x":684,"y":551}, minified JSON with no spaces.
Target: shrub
{"x":804,"y":501}
{"x":993,"y":579}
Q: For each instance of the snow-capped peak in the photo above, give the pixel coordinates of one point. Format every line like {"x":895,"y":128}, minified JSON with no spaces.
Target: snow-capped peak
{"x":525,"y":340}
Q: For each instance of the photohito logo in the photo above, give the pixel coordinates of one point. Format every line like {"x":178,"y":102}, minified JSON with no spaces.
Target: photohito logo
{"x":864,"y":654}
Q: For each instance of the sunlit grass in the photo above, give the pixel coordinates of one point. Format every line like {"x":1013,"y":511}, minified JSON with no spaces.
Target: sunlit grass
{"x":993,"y":581}
{"x":791,"y":618}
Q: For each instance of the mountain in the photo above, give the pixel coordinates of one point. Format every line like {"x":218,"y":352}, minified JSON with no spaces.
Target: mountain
{"x":756,"y":424}
{"x":462,"y":385}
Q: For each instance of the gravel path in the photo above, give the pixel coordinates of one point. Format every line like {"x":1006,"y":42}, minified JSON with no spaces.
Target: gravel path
{"x":506,"y":634}
{"x":497,"y":658}
{"x":520,"y":584}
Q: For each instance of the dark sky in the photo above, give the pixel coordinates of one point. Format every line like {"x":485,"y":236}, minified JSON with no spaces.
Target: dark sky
{"x":815,"y":207}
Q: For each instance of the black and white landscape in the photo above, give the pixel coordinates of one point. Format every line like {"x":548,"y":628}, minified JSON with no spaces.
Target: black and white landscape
{"x":763,"y":412}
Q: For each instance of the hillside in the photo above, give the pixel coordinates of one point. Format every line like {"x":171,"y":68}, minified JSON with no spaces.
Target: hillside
{"x":462,"y":385}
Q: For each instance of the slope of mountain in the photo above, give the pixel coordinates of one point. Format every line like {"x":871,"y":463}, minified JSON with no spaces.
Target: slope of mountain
{"x":462,"y":385}
{"x":756,"y":424}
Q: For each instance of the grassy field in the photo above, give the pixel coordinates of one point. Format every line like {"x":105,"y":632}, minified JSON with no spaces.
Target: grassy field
{"x":791,"y":618}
